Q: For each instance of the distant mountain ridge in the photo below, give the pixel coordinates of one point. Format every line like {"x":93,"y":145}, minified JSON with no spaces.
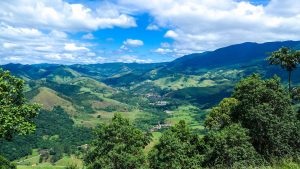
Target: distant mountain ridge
{"x":238,"y":54}
{"x":241,"y":54}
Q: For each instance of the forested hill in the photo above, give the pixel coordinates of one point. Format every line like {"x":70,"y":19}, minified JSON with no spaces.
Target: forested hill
{"x":240,"y":54}
{"x":150,"y":95}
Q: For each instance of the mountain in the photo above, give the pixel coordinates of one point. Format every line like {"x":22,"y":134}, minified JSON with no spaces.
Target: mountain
{"x":148,"y":94}
{"x":240,"y":54}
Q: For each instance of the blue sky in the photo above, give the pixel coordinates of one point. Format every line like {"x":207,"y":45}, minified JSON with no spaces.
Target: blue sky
{"x":99,"y":31}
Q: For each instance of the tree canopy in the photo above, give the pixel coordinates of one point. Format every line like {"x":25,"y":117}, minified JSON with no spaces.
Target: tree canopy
{"x":257,"y":123}
{"x":287,"y":58}
{"x":15,"y":113}
{"x":117,"y":145}
{"x":178,"y":148}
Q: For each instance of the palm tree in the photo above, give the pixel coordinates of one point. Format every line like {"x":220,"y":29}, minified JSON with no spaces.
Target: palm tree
{"x":287,"y":59}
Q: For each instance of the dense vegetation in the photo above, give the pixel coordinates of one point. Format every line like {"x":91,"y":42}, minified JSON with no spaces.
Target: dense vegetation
{"x":251,"y":128}
{"x":55,"y":135}
{"x":181,"y":104}
{"x":15,"y":114}
{"x":117,"y":145}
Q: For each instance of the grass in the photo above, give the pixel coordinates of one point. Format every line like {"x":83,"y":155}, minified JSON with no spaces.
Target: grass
{"x":186,"y":113}
{"x":155,"y":139}
{"x":92,"y":120}
{"x":32,"y":162}
{"x":40,"y":166}
{"x":49,"y":99}
{"x":179,"y":81}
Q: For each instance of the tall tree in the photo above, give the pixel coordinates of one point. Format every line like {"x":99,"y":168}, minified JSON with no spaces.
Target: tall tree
{"x":265,"y":110}
{"x":178,"y":148}
{"x":230,"y":147}
{"x":117,"y":145}
{"x":15,"y":113}
{"x":287,"y":59}
{"x":257,"y":121}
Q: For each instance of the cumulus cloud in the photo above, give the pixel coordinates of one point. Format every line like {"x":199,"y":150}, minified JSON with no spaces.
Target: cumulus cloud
{"x":8,"y":45}
{"x":133,"y":43}
{"x":30,"y":46}
{"x":60,"y":15}
{"x":200,"y":25}
{"x":73,"y":47}
{"x":38,"y":31}
{"x":133,"y":59}
{"x":152,"y":27}
{"x":163,"y":51}
{"x":171,"y":34}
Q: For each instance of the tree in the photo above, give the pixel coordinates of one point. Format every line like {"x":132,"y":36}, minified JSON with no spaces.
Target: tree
{"x":230,"y":146}
{"x":15,"y":114}
{"x":257,"y":121}
{"x":287,"y":59}
{"x":117,"y":145}
{"x":178,"y":148}
{"x":5,"y":164}
{"x":220,"y":116}
{"x":265,"y":110}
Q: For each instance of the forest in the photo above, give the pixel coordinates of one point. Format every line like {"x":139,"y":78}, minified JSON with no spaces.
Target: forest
{"x":257,"y":125}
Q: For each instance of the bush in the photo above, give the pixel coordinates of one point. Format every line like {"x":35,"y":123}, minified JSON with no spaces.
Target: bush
{"x":178,"y":148}
{"x":230,"y":147}
{"x":117,"y":145}
{"x":5,"y":164}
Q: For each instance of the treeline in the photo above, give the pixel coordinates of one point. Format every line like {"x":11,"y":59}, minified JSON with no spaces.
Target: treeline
{"x":254,"y":127}
{"x":55,"y":135}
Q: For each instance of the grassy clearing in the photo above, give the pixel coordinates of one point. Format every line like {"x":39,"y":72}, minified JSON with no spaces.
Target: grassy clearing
{"x":40,"y":166}
{"x":155,"y":140}
{"x":32,"y":162}
{"x":49,"y":99}
{"x":188,"y":114}
{"x":92,"y":120}
{"x":179,"y":82}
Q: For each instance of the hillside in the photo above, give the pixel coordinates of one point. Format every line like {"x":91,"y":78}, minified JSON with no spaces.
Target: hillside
{"x":240,"y":55}
{"x":148,"y":94}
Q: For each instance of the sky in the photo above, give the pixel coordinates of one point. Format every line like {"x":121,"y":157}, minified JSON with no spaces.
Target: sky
{"x":142,"y":31}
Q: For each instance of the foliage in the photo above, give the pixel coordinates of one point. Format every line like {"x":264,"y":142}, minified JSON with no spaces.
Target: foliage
{"x":257,"y":121}
{"x":230,"y":147}
{"x":265,"y":109}
{"x":5,"y":164}
{"x":15,"y":114}
{"x":55,"y":131}
{"x":220,"y":115}
{"x":178,"y":148}
{"x":117,"y":145}
{"x":72,"y":166}
{"x":286,"y":58}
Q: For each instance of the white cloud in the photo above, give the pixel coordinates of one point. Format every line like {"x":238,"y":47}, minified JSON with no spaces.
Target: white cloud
{"x":200,"y":25}
{"x":10,"y":32}
{"x":163,"y":51}
{"x":73,"y":47}
{"x":152,"y":27}
{"x":171,"y":34}
{"x":9,"y":45}
{"x":133,"y":43}
{"x":44,"y":48}
{"x":60,"y":15}
{"x":133,"y":59}
{"x":30,"y":46}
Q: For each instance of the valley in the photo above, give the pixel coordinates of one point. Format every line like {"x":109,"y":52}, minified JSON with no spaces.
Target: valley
{"x":153,"y":96}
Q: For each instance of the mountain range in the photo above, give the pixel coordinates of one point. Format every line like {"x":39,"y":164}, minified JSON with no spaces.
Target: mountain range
{"x":147,"y":94}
